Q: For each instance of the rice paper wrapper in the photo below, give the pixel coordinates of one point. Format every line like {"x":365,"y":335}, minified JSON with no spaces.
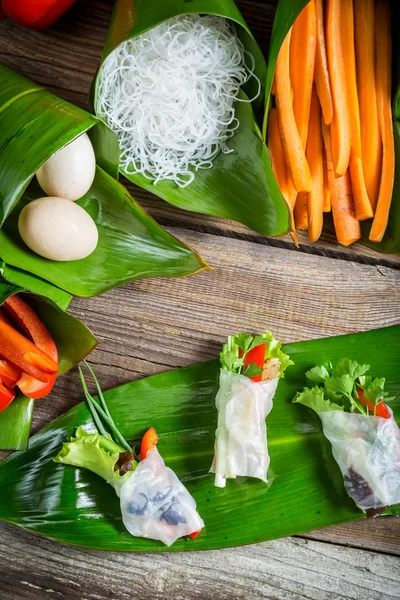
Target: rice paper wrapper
{"x":367,"y":450}
{"x":241,"y":437}
{"x":156,"y":505}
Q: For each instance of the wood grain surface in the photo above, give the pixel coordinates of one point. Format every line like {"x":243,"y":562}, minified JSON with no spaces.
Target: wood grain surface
{"x":154,"y":325}
{"x":287,"y":569}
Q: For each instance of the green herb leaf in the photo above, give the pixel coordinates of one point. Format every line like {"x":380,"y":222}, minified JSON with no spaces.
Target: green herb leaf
{"x":314,"y":398}
{"x":318,"y":374}
{"x":257,"y":341}
{"x":374,"y":390}
{"x":243,"y":341}
{"x":349,"y":367}
{"x":252,"y":370}
{"x":342,"y":385}
{"x":231,"y":362}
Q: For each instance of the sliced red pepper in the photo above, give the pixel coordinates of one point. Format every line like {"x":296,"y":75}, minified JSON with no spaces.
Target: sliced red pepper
{"x":149,"y":440}
{"x":36,"y":389}
{"x":9,"y":373}
{"x":381,"y":408}
{"x":29,"y":322}
{"x":6,"y":396}
{"x":24,"y":354}
{"x":255,"y":355}
{"x":194,"y":534}
{"x":36,"y":14}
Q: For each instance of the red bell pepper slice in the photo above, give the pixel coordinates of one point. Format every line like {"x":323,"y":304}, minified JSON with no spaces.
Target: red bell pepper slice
{"x":9,"y":373}
{"x":33,"y":388}
{"x":194,"y":534}
{"x":24,"y":354}
{"x":29,"y":322}
{"x":381,"y":409}
{"x":36,"y":14}
{"x":149,"y":440}
{"x":6,"y":396}
{"x":255,"y":355}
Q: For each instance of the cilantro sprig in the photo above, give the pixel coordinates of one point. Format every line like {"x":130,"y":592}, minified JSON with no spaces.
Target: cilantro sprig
{"x":234,"y":353}
{"x":338,"y":388}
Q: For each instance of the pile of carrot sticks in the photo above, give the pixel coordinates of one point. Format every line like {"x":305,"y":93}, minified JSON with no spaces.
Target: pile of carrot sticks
{"x":330,"y":135}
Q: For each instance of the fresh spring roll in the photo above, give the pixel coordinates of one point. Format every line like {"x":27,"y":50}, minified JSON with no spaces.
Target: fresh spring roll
{"x":364,"y":435}
{"x":154,"y":503}
{"x":250,"y":372}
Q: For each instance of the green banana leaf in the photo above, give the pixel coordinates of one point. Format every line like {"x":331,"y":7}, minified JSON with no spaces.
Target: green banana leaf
{"x":34,"y":124}
{"x":286,"y":13}
{"x":73,"y":340}
{"x":35,"y":285}
{"x":306,"y":487}
{"x":240,"y":185}
{"x":131,"y":244}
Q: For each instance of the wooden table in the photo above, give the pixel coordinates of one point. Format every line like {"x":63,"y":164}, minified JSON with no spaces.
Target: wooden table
{"x":154,"y":325}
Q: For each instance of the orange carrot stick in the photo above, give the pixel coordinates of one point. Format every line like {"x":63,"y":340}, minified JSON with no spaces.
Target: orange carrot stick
{"x":346,"y":225}
{"x":340,"y":127}
{"x":301,"y":211}
{"x":292,"y":192}
{"x":362,"y":204}
{"x":277,"y":157}
{"x":321,"y":73}
{"x":291,"y":142}
{"x":383,"y":97}
{"x":302,"y":60}
{"x":314,"y":158}
{"x":347,"y":27}
{"x":327,"y":193}
{"x":371,"y":145}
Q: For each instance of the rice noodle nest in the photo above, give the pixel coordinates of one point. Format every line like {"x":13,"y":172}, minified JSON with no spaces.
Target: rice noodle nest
{"x":169,"y":95}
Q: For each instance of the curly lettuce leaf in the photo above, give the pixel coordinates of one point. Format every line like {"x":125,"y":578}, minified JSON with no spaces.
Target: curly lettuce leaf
{"x":94,"y":452}
{"x":274,"y":351}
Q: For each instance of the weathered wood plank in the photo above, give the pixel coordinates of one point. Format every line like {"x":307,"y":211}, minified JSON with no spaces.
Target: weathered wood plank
{"x":65,"y":59}
{"x":289,"y":569}
{"x":381,"y":534}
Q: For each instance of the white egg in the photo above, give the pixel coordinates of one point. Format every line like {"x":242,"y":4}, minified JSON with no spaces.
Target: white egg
{"x":69,"y":173}
{"x":58,"y":229}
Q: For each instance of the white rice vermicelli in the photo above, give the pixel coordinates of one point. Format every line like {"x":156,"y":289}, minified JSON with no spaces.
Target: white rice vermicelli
{"x":169,"y":94}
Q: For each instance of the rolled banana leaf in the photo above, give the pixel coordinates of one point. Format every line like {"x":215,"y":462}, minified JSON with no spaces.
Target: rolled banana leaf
{"x":34,"y":124}
{"x":240,"y":185}
{"x":74,"y":342}
{"x":306,"y":488}
{"x":286,"y":13}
